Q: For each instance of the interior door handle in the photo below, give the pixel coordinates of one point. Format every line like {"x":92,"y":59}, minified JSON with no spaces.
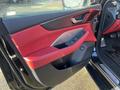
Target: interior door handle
{"x":75,"y":21}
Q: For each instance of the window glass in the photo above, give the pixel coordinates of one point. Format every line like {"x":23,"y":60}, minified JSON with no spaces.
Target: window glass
{"x":27,"y":7}
{"x":76,"y":4}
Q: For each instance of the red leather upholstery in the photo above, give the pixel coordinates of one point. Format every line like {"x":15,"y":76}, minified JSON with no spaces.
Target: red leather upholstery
{"x":113,"y":28}
{"x":34,"y":44}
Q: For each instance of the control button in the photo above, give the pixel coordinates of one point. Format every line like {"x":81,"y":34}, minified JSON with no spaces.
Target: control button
{"x":82,"y":48}
{"x":114,"y":35}
{"x":118,"y":34}
{"x":70,"y":43}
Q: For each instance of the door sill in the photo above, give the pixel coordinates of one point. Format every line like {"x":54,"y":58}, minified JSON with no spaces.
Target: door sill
{"x":109,"y":76}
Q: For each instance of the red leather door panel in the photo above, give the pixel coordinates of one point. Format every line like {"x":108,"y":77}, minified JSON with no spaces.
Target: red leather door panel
{"x":51,"y":51}
{"x":34,"y":44}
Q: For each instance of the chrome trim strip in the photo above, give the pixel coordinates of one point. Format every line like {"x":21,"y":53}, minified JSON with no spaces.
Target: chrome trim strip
{"x":108,"y":78}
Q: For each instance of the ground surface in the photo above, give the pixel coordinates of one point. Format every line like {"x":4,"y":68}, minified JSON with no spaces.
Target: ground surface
{"x":80,"y":81}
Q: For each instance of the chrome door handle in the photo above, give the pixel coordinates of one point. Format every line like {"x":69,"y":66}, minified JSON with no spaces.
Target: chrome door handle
{"x":75,"y":21}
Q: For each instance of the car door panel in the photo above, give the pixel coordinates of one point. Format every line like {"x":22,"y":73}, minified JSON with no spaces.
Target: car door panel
{"x":41,"y":52}
{"x":113,"y":28}
{"x":54,"y":48}
{"x":40,"y":55}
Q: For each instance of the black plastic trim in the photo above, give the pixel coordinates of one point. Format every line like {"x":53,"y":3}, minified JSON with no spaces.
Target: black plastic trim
{"x":51,"y":75}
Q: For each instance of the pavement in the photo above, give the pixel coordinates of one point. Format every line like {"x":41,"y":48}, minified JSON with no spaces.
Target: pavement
{"x":80,"y":81}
